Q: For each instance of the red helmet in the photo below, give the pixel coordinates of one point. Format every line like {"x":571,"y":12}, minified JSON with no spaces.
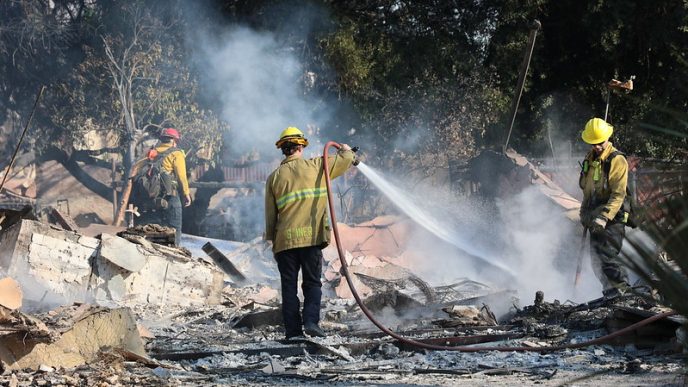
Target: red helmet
{"x":170,"y":132}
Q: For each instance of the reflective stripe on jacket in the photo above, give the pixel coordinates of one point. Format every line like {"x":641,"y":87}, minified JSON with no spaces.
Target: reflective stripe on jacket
{"x":604,"y":195}
{"x":296,"y":201}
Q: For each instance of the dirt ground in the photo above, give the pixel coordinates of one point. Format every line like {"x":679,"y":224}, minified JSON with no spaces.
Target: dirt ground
{"x":58,"y":188}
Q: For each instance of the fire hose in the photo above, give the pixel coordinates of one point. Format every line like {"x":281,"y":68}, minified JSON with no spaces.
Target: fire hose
{"x":345,"y":271}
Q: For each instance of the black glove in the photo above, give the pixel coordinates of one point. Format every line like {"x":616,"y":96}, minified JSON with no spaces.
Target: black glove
{"x":598,"y":224}
{"x":585,"y":218}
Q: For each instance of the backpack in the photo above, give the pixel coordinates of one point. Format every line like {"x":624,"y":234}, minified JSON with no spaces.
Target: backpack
{"x":151,"y":183}
{"x":629,"y":203}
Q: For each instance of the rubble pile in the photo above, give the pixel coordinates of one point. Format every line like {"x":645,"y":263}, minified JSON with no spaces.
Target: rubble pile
{"x":64,"y":267}
{"x":120,"y":309}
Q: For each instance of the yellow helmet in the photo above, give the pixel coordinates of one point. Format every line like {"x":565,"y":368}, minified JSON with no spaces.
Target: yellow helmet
{"x":293,"y":135}
{"x":597,"y":131}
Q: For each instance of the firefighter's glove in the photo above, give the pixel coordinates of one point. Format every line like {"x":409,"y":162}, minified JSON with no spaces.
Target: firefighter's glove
{"x":586,"y":218}
{"x":598,"y":225}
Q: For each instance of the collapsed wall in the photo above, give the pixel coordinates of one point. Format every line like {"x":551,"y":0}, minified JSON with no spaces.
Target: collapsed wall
{"x":61,"y":267}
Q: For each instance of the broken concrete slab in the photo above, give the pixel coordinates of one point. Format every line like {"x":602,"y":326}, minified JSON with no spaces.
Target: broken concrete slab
{"x":64,"y":267}
{"x":469,"y":315}
{"x":162,"y":279}
{"x":53,"y":265}
{"x":121,"y":252}
{"x":79,"y":344}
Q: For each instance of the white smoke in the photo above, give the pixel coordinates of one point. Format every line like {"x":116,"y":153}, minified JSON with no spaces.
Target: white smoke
{"x":260,"y":83}
{"x":525,"y":245}
{"x":544,"y":248}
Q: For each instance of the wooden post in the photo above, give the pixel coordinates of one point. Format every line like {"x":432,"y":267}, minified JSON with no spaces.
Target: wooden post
{"x":126,"y":191}
{"x":114,"y":189}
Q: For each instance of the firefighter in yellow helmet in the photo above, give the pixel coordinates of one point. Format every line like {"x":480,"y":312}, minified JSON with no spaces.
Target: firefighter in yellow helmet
{"x":604,"y":210}
{"x":297,"y":224}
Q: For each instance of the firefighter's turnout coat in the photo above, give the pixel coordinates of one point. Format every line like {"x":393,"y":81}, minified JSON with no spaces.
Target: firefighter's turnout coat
{"x":604,"y":194}
{"x":296,"y":201}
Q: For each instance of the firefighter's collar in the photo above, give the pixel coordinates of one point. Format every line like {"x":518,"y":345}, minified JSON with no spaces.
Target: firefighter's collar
{"x":607,"y":151}
{"x":290,"y":158}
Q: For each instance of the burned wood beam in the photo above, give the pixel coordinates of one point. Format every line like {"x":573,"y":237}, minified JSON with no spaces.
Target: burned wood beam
{"x":425,"y":371}
{"x":657,"y":333}
{"x":292,"y":348}
{"x":223,"y":262}
{"x":260,"y":319}
{"x":256,"y":374}
{"x":65,"y":221}
{"x":417,"y":332}
{"x":366,"y":371}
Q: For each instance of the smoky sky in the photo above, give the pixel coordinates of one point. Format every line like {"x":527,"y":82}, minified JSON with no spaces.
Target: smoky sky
{"x":258,"y":80}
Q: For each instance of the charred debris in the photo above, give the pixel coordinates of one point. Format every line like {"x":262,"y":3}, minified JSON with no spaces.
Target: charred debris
{"x":126,"y":307}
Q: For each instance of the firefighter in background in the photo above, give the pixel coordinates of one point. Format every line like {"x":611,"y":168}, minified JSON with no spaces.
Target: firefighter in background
{"x":297,"y":224}
{"x":604,"y":211}
{"x":167,"y":209}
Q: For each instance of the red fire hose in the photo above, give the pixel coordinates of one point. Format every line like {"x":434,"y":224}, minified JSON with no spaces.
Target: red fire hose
{"x":345,"y":271}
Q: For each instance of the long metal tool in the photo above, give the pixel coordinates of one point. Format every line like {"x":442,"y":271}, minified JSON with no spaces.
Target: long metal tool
{"x":579,"y":265}
{"x":522,"y":77}
{"x":606,"y":109}
{"x":21,"y":139}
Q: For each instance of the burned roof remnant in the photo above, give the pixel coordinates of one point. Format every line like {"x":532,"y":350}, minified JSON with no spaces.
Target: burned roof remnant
{"x":501,"y":175}
{"x":152,"y":232}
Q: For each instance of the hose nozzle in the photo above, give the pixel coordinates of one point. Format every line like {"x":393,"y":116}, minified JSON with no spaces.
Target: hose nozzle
{"x":356,"y":160}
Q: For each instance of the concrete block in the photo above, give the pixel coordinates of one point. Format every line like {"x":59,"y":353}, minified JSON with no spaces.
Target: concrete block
{"x":121,"y":252}
{"x":79,"y":344}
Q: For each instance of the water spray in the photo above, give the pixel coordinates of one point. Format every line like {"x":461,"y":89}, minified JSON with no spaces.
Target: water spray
{"x":413,"y":211}
{"x":345,"y":272}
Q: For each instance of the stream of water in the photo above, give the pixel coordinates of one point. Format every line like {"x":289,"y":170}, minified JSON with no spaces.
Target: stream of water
{"x":443,"y":230}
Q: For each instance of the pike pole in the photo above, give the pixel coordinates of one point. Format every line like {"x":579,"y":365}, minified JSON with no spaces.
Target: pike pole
{"x":534,"y":27}
{"x":21,"y":139}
